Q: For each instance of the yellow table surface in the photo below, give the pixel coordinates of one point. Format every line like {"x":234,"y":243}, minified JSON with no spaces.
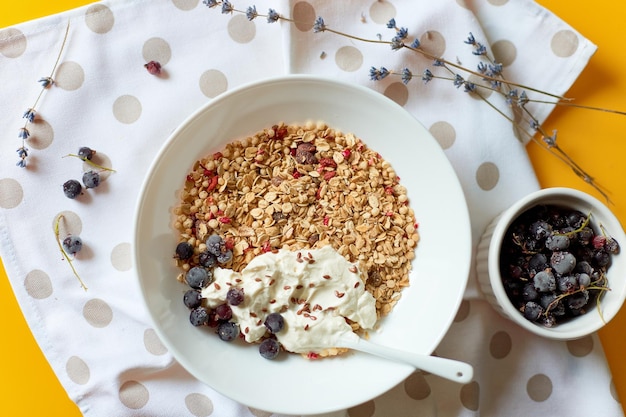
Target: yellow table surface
{"x":595,"y":140}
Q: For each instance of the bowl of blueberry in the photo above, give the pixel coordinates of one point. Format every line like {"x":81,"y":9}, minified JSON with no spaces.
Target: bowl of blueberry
{"x":552,"y":263}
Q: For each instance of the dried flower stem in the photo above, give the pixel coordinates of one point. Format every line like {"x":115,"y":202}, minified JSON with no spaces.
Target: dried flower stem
{"x":31,"y":113}
{"x":490,"y":73}
{"x":90,"y":162}
{"x":66,"y":256}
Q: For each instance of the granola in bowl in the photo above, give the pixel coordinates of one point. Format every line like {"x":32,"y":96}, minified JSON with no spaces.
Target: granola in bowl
{"x":296,"y":187}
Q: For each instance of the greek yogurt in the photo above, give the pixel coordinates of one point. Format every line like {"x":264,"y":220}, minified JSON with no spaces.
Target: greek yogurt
{"x":314,"y":290}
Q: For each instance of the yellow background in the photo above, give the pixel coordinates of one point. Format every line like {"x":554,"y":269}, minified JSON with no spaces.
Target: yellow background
{"x":595,"y":140}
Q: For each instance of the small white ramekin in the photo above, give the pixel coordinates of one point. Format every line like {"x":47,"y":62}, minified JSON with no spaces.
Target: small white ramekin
{"x":488,"y":263}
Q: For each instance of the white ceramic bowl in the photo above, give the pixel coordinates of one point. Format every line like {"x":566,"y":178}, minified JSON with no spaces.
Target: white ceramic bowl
{"x":489,"y":252}
{"x":294,"y":385}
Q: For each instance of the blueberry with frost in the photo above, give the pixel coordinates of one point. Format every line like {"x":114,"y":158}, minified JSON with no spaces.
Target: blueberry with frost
{"x":228,"y":331}
{"x":199,"y":316}
{"x":269,"y":348}
{"x":544,"y":281}
{"x":192,"y":299}
{"x":184,"y":250}
{"x":198,"y":277}
{"x":72,"y":189}
{"x":274,"y":322}
{"x":72,"y":244}
{"x":86,"y":153}
{"x":91,"y":179}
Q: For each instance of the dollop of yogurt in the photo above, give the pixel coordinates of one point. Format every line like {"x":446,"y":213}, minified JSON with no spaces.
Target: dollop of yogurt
{"x":314,"y":290}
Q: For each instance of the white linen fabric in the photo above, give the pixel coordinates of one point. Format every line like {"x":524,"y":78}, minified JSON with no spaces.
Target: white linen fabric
{"x":100,"y":342}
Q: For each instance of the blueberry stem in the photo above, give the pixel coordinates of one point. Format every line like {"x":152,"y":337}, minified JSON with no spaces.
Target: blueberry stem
{"x":65,"y":254}
{"x":93,"y":164}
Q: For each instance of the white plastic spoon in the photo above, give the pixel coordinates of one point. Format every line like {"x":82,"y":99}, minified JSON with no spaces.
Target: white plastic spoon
{"x":446,"y":368}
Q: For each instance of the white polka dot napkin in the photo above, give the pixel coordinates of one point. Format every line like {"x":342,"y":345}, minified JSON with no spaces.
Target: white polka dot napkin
{"x":100,"y":342}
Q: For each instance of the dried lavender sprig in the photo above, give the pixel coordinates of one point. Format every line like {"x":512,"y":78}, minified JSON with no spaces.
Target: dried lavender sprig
{"x":30,"y":114}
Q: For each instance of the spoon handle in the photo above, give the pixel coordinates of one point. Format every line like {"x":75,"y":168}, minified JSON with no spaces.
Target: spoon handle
{"x":447,"y":368}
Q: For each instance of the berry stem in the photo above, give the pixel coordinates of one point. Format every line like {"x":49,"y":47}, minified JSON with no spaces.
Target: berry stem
{"x":65,"y":254}
{"x":93,"y":164}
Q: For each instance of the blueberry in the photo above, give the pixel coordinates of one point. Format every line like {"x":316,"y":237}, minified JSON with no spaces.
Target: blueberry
{"x":234,"y":296}
{"x":550,"y":303}
{"x":184,"y":251}
{"x":192,"y":298}
{"x":532,"y":311}
{"x":224,"y":257}
{"x":274,"y":322}
{"x":602,"y":258}
{"x":269,"y":348}
{"x":207,"y":259}
{"x":584,"y":280}
{"x":228,"y":331}
{"x":198,"y":277}
{"x":530,"y":292}
{"x":567,"y":283}
{"x":544,"y":281}
{"x":223,"y":312}
{"x":611,"y":246}
{"x":85,"y":153}
{"x":72,"y":244}
{"x":577,"y":300}
{"x":562,"y":262}
{"x":585,"y":236}
{"x":557,"y":242}
{"x":540,"y":229}
{"x":538,"y":262}
{"x":214,"y":244}
{"x":72,"y":189}
{"x":199,"y":316}
{"x":91,"y":179}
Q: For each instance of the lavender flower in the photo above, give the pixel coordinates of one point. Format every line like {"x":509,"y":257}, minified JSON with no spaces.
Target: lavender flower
{"x":396,"y":44}
{"x":415,"y":44}
{"x":227,"y":7}
{"x":46,"y":82}
{"x":469,"y":87}
{"x":251,"y":13}
{"x":23,"y":133}
{"x":511,"y":97}
{"x":402,"y":33}
{"x":272,"y":16}
{"x":377,"y":74}
{"x":480,"y":49}
{"x":210,"y":3}
{"x":319,"y":25}
{"x":438,"y":63}
{"x":391,"y":24}
{"x":482,"y":68}
{"x":427,"y":76}
{"x":407,"y":75}
{"x":458,"y":81}
{"x":550,"y":141}
{"x":22,"y":153}
{"x":470,"y":39}
{"x":29,"y":115}
{"x":522,"y":100}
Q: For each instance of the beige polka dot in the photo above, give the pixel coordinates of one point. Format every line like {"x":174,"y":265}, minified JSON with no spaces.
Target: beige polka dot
{"x":127,"y":109}
{"x":99,"y":18}
{"x":38,"y":284}
{"x":433,"y":42}
{"x":500,"y":345}
{"x":41,"y":134}
{"x":470,"y":396}
{"x":487,"y":176}
{"x":11,"y":193}
{"x":152,"y":343}
{"x":199,"y":405}
{"x":97,"y":313}
{"x":382,"y":11}
{"x":498,"y":2}
{"x":504,"y":52}
{"x":100,"y":159}
{"x":12,"y":42}
{"x":185,"y":4}
{"x":463,"y":312}
{"x":613,"y":390}
{"x":69,"y":76}
{"x":398,"y":92}
{"x":539,"y":387}
{"x":120,"y":257}
{"x":444,"y":132}
{"x":213,"y":83}
{"x":462,"y":3}
{"x":564,"y":43}
{"x":69,"y":224}
{"x":416,"y":386}
{"x":77,"y":370}
{"x":157,"y":49}
{"x":349,"y":58}
{"x":134,"y":395}
{"x":580,"y":347}
{"x":304,"y":15}
{"x":366,"y":409}
{"x":260,"y":413}
{"x":240,"y":29}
